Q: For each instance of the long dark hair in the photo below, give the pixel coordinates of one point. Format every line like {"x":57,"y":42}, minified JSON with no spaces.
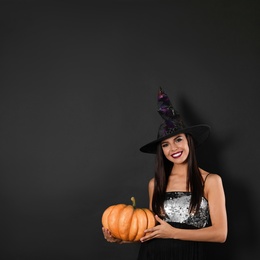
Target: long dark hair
{"x":163,"y":169}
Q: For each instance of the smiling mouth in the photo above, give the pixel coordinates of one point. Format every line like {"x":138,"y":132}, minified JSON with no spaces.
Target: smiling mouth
{"x":177,"y":155}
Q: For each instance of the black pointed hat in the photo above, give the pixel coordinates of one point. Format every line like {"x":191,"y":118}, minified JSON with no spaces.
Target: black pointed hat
{"x":173,"y":125}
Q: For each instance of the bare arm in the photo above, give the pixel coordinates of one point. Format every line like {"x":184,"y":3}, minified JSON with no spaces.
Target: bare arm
{"x":215,"y":233}
{"x":150,"y":192}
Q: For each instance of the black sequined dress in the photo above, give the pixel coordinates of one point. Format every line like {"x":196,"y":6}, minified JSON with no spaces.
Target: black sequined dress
{"x":176,"y":207}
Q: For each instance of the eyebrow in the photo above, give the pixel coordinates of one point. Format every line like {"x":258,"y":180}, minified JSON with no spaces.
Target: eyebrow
{"x":177,"y":136}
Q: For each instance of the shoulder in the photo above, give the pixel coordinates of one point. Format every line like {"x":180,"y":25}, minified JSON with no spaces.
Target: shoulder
{"x":213,"y":184}
{"x":210,"y":178}
{"x":151,"y":184}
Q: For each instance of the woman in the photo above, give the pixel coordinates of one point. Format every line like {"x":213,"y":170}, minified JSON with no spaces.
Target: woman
{"x":188,"y":202}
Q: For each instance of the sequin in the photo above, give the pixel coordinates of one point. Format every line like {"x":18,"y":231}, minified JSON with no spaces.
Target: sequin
{"x":176,"y":207}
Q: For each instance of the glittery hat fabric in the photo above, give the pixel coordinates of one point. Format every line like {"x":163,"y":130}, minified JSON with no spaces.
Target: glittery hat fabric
{"x":173,"y":124}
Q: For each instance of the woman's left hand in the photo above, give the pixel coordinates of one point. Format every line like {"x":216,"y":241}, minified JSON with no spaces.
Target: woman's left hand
{"x":163,"y":230}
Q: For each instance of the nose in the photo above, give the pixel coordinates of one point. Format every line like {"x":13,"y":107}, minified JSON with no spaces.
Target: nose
{"x":174,"y":147}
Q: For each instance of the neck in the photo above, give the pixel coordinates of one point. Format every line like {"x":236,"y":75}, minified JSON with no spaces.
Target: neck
{"x":179,"y":169}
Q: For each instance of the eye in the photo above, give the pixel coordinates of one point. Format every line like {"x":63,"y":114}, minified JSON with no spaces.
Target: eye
{"x":178,"y":139}
{"x":164,"y":145}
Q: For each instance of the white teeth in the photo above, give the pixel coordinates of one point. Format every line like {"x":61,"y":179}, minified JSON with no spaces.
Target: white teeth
{"x":176,"y":155}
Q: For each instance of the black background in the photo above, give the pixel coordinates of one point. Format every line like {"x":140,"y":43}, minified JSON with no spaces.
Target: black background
{"x":78,"y":93}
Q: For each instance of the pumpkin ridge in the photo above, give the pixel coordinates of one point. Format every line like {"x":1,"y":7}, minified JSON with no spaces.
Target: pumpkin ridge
{"x":124,"y":222}
{"x":113,"y":220}
{"x":105,"y":215}
{"x":150,"y":218}
{"x":142,"y":223}
{"x":133,"y":227}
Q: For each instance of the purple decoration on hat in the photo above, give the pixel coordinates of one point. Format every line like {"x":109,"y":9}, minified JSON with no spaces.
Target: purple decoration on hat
{"x":165,"y":108}
{"x":172,"y":119}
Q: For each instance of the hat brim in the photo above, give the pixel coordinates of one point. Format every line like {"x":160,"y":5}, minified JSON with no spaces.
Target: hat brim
{"x":199,"y":133}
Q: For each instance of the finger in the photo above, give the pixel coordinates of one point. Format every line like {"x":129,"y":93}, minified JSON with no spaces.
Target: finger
{"x":146,"y":238}
{"x":149,"y":235}
{"x":107,"y":232}
{"x":159,"y":219}
{"x":150,"y":230}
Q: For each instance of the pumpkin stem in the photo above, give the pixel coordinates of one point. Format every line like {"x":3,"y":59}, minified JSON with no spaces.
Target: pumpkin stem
{"x":133,"y":201}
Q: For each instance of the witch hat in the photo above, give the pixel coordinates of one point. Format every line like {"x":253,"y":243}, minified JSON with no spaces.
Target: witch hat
{"x":173,"y":124}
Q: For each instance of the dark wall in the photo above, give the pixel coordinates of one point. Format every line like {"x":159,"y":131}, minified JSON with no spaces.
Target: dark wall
{"x":78,"y":92}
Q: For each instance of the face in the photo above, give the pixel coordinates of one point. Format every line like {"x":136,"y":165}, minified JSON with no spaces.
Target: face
{"x":176,"y":148}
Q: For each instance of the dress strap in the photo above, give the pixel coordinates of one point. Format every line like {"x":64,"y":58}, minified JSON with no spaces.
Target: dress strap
{"x":206,"y":178}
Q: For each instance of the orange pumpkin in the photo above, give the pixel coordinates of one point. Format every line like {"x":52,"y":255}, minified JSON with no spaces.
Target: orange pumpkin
{"x":127,"y":222}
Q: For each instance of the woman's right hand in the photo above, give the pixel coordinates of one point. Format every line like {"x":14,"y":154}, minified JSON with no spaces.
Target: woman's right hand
{"x":109,"y":237}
